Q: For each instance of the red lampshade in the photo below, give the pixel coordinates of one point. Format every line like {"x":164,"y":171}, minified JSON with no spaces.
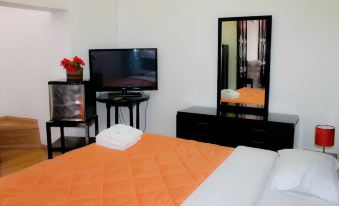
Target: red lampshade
{"x":324,"y":135}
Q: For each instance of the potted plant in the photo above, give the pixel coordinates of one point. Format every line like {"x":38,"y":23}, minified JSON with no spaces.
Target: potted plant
{"x":74,"y":68}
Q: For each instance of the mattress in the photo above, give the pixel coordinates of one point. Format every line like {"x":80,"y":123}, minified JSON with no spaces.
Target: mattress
{"x":156,"y":171}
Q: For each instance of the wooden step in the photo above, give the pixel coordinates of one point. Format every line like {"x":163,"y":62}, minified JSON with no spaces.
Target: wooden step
{"x":18,"y":132}
{"x":13,"y":160}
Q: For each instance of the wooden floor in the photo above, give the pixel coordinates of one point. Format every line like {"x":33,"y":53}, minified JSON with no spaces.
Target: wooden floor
{"x":12,"y":160}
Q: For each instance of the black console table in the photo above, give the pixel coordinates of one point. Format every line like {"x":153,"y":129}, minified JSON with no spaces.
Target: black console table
{"x":64,"y":143}
{"x":204,"y":124}
{"x":122,"y":101}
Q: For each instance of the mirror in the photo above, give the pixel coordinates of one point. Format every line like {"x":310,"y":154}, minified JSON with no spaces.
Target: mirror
{"x":244,"y":45}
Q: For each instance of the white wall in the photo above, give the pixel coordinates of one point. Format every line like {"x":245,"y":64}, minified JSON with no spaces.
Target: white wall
{"x":304,"y":69}
{"x":36,"y":4}
{"x":3,"y":103}
{"x":304,"y":52}
{"x":91,"y":26}
{"x":3,"y":88}
{"x":31,"y":44}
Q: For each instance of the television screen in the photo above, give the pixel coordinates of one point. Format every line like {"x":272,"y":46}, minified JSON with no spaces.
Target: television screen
{"x":124,"y":69}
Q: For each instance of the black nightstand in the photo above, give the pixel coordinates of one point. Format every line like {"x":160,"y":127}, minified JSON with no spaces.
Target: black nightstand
{"x":64,"y":143}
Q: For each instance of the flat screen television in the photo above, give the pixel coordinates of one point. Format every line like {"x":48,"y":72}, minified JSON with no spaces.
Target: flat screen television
{"x":124,"y":69}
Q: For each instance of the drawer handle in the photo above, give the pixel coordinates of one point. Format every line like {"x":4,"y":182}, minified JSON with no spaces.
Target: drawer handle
{"x":258,"y":142}
{"x":259,"y":130}
{"x":258,"y":137}
{"x":201,"y":123}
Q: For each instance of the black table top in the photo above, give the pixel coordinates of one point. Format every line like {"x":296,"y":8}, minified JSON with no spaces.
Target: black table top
{"x":272,"y":117}
{"x":121,"y":98}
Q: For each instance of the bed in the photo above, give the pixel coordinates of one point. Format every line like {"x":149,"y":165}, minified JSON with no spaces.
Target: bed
{"x":158,"y":170}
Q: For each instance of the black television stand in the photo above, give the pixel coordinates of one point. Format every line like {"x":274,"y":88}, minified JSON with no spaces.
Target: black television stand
{"x":122,"y":100}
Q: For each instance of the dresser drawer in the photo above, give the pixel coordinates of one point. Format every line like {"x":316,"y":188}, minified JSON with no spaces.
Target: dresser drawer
{"x":259,"y":140}
{"x":196,"y":127}
{"x":257,"y":134}
{"x":231,"y":133}
{"x":269,"y":135}
{"x":206,"y":125}
{"x":281,"y":136}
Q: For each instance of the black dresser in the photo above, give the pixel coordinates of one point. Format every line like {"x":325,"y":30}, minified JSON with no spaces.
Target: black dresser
{"x":203,"y":124}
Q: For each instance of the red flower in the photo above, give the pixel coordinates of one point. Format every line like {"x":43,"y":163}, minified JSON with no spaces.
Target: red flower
{"x":71,"y":68}
{"x":73,"y":65}
{"x":78,"y":60}
{"x":65,"y":62}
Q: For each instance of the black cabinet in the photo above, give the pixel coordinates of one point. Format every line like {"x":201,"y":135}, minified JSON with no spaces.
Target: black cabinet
{"x":72,"y":104}
{"x":71,"y":101}
{"x":275,"y":132}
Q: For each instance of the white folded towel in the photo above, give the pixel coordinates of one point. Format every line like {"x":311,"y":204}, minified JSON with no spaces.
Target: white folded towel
{"x":118,"y":137}
{"x":229,"y":93}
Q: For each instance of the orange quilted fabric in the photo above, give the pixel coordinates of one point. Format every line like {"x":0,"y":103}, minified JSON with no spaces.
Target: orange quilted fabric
{"x":156,"y":171}
{"x":248,"y":96}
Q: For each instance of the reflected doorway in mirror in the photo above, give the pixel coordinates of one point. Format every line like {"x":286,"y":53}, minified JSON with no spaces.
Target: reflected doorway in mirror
{"x":244,"y":62}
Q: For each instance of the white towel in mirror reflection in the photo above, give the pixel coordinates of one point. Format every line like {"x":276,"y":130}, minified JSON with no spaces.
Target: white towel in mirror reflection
{"x":229,"y":93}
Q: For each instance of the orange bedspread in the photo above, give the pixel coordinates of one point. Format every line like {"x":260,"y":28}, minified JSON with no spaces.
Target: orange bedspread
{"x":248,"y":96}
{"x":156,"y":171}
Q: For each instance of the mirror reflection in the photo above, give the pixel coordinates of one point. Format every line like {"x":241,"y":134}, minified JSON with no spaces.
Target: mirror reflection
{"x":244,"y":61}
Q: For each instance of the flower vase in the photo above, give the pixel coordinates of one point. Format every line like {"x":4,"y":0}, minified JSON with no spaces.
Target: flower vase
{"x":75,"y":76}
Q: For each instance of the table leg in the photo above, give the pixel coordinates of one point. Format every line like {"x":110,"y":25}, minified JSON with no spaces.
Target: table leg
{"x":49,"y":142}
{"x":96,"y":125}
{"x":130,"y":107}
{"x":62,"y":138}
{"x":87,"y":134}
{"x":137,"y":116}
{"x":116,"y":114}
{"x":108,"y":112}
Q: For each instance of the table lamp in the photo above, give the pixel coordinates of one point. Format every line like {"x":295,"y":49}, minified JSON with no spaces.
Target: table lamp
{"x":324,"y":136}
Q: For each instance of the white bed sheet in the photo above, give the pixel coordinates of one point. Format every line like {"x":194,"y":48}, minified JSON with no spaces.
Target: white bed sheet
{"x":238,"y":181}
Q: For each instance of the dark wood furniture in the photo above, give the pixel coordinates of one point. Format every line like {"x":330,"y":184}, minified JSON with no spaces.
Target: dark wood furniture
{"x":122,"y":101}
{"x":275,"y":132}
{"x":229,"y":64}
{"x":66,"y":143}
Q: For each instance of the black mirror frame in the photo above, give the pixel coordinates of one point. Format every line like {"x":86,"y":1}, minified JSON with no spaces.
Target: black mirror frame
{"x":241,"y":109}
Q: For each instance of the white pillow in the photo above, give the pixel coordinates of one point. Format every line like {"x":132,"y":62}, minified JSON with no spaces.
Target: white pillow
{"x":307,"y":172}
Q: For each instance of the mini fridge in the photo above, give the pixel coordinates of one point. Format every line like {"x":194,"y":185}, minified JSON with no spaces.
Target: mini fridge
{"x":70,"y":101}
